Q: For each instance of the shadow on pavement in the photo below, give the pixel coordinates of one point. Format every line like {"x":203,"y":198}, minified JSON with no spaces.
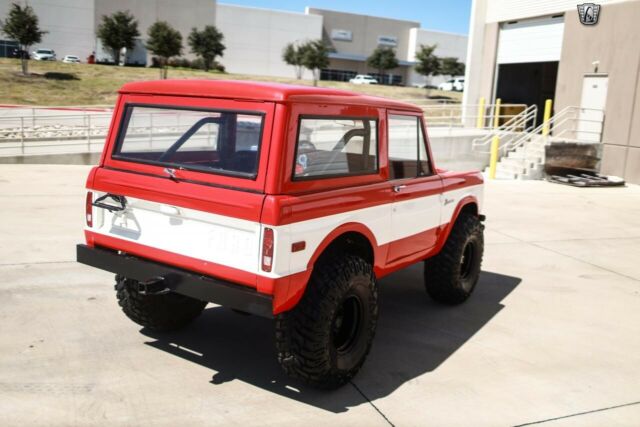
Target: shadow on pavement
{"x":414,"y":336}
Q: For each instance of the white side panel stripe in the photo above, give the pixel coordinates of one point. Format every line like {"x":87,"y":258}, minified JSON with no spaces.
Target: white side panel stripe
{"x":237,"y":243}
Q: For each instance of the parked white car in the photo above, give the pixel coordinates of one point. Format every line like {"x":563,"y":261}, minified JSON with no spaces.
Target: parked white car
{"x":363,"y":79}
{"x":44,"y":55}
{"x":71,"y":59}
{"x":456,"y":84}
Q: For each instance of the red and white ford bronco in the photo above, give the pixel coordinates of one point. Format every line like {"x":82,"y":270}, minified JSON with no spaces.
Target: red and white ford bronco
{"x":281,"y":201}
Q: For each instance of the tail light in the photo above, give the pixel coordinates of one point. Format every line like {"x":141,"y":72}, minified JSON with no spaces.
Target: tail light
{"x":89,"y":209}
{"x":267,"y":250}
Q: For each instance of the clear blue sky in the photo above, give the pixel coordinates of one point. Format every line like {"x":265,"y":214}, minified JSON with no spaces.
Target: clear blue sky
{"x":443,"y":15}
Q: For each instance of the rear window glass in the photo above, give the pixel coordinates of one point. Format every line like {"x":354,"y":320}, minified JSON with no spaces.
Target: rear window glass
{"x":223,"y":142}
{"x":329,"y":147}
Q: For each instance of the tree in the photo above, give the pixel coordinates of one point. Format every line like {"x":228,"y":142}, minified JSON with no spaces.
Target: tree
{"x":293,"y":54}
{"x":382,"y":59}
{"x":315,"y":56}
{"x":22,"y":27}
{"x":207,"y":44}
{"x":118,"y":31}
{"x":428,"y":64}
{"x":451,"y":67}
{"x":164,"y":42}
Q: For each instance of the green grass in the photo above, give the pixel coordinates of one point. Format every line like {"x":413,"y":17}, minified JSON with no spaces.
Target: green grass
{"x":55,"y":83}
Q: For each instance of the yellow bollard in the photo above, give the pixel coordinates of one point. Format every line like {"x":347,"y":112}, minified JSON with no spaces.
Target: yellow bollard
{"x":480,"y":119}
{"x":547,"y":116}
{"x":496,"y":114}
{"x":495,"y":144}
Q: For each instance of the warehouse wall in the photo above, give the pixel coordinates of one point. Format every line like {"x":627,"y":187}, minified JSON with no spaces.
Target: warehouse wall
{"x":182,"y":15}
{"x":365,"y":32}
{"x":69,"y":24}
{"x":615,"y":46}
{"x":255,"y":38}
{"x":507,"y":10}
{"x":448,"y":45}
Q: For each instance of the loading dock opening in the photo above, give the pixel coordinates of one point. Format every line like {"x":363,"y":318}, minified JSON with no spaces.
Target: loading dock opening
{"x":527,"y":83}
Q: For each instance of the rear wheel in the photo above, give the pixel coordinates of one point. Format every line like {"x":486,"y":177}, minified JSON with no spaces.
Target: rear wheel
{"x":163,"y":313}
{"x":325,"y":339}
{"x":451,"y":276}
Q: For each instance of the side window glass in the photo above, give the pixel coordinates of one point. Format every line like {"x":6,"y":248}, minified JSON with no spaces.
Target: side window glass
{"x":424,"y":167}
{"x":331,"y":147}
{"x":407,"y":150}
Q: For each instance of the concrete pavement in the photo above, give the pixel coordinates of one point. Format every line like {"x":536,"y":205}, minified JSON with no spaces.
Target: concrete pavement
{"x":552,"y":331}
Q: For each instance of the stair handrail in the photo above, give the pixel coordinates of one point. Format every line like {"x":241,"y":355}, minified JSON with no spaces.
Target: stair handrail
{"x":543,"y":132}
{"x":565,"y":115}
{"x":517,"y":124}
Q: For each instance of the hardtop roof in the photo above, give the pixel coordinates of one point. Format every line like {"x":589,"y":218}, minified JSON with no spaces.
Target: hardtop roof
{"x":260,"y":91}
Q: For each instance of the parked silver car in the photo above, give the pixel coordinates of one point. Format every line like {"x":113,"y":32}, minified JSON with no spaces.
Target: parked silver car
{"x":71,"y":59}
{"x":44,"y":55}
{"x":363,"y":79}
{"x":456,"y":84}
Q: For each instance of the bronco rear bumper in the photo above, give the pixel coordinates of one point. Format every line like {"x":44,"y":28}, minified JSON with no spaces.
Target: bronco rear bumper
{"x":176,"y":280}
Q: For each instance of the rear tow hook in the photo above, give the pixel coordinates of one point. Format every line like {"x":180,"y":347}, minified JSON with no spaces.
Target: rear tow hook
{"x":153,"y":286}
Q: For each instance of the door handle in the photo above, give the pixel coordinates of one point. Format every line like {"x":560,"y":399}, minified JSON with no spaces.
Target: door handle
{"x":398,"y":188}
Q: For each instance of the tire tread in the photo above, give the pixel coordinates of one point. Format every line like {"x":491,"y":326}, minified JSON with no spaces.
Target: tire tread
{"x":442,"y":275}
{"x":302,"y":343}
{"x":163,"y":313}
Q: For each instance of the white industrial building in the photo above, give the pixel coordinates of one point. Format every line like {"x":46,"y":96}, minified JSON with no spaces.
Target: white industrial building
{"x":254,"y":37}
{"x":528,"y":51}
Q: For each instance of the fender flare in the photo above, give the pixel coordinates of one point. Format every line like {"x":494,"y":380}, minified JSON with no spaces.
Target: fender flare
{"x":296,"y":284}
{"x":465,"y":201}
{"x":349,"y":227}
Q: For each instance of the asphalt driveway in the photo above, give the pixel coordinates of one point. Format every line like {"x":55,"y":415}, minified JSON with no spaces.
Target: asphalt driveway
{"x":551,"y":336}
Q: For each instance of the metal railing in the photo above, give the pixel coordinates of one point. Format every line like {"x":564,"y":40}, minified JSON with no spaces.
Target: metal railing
{"x":571,"y":124}
{"x":31,"y":113}
{"x":35,"y":132}
{"x":583,"y":124}
{"x":522,"y":122}
{"x":51,"y":130}
{"x":84,"y":132}
{"x":479,"y":116}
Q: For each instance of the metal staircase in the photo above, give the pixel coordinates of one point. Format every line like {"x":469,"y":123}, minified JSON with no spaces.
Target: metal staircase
{"x":522,"y":154}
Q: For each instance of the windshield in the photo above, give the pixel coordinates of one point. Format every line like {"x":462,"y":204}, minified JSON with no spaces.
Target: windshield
{"x":223,"y":142}
{"x":44,"y":51}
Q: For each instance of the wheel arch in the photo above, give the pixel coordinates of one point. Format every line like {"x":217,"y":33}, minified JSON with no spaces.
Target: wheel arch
{"x":468,"y":204}
{"x":355,"y":237}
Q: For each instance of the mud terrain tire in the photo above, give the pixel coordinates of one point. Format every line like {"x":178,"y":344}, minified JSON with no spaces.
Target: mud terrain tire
{"x":162,"y":313}
{"x":451,"y":276}
{"x":325,"y":339}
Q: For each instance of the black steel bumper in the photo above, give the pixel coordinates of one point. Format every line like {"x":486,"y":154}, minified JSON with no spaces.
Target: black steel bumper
{"x":183,"y":282}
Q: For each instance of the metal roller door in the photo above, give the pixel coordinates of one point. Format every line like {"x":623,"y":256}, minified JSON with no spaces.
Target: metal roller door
{"x":533,"y":40}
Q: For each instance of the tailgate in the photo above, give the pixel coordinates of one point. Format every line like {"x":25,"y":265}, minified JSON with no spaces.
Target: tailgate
{"x":191,"y":174}
{"x":203,"y":228}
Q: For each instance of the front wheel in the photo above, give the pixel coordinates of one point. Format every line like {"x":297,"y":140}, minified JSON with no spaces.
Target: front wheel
{"x":451,"y":276}
{"x":325,"y":339}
